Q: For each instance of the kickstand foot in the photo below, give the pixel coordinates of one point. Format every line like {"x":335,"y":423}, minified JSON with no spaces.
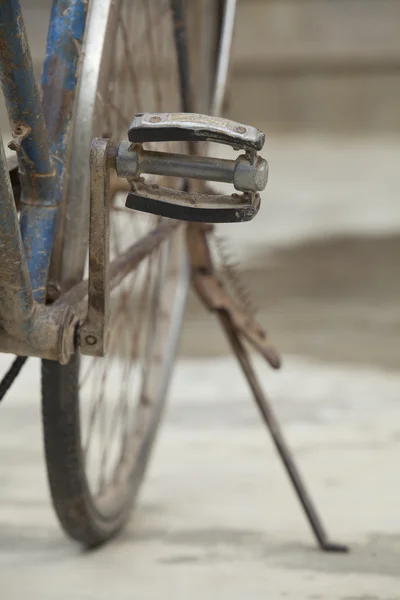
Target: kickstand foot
{"x":283,"y":450}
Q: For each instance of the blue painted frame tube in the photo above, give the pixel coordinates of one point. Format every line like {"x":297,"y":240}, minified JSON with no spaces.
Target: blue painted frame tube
{"x":15,"y":287}
{"x":42,"y":183}
{"x":59,"y":81}
{"x":30,"y":140}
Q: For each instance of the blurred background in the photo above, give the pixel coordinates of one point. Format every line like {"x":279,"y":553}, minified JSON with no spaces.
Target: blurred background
{"x":318,"y":65}
{"x":321,"y":78}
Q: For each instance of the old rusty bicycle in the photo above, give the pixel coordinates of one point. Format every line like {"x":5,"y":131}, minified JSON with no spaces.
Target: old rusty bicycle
{"x":100,"y":237}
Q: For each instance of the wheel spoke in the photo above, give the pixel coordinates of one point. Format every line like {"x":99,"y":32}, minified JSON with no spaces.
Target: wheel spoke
{"x":130,"y":67}
{"x":152,"y":56}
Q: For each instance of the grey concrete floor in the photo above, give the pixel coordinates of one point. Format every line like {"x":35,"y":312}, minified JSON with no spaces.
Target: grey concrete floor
{"x":216,"y":515}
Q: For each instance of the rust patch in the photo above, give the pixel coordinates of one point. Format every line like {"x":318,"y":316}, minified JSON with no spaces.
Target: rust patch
{"x":55,"y":95}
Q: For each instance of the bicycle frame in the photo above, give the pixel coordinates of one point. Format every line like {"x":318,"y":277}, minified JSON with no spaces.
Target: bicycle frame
{"x":40,"y":137}
{"x":40,"y":130}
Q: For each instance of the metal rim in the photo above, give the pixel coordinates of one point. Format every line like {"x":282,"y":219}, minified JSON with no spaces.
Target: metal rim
{"x":102,"y":24}
{"x":103,"y":21}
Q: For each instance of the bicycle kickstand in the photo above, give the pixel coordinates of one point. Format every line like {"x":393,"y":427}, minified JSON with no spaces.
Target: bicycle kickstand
{"x":249,"y":175}
{"x":236,"y":324}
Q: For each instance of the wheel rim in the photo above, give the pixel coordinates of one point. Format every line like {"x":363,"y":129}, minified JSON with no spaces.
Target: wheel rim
{"x":113,"y":425}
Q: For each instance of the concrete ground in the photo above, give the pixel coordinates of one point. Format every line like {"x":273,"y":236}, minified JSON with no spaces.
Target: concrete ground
{"x":216,"y":516}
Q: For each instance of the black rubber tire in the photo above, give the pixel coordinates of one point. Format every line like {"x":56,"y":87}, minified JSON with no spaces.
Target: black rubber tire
{"x":62,"y":443}
{"x":72,"y":499}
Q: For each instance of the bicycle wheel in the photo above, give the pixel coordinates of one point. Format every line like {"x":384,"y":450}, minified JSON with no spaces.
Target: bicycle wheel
{"x":100,"y":415}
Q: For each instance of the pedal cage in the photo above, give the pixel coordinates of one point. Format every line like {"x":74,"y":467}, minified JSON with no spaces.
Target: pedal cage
{"x":248,"y":173}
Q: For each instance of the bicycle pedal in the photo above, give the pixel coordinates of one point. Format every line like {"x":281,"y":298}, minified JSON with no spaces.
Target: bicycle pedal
{"x":248,"y":173}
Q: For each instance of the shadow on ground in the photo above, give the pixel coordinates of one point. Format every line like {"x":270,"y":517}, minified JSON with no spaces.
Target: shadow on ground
{"x":332,"y":299}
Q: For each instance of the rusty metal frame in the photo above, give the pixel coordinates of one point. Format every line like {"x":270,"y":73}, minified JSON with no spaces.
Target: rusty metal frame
{"x":40,"y":139}
{"x":40,"y":126}
{"x":26,"y":327}
{"x":29,"y":328}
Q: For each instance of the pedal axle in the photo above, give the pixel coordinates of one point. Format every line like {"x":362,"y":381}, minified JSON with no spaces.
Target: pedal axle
{"x":132,"y":161}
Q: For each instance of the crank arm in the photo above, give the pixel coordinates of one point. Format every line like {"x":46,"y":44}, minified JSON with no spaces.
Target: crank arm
{"x":248,"y":173}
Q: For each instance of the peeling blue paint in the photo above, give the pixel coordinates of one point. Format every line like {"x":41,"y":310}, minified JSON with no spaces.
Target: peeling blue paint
{"x":41,"y":126}
{"x":67,"y":26}
{"x":39,"y":211}
{"x":59,"y":79}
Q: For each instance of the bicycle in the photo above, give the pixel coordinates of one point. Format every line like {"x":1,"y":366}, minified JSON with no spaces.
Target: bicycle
{"x":78,"y":291}
{"x":97,"y":75}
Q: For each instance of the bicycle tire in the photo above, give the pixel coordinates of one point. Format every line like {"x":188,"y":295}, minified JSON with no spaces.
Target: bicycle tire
{"x":87,"y":516}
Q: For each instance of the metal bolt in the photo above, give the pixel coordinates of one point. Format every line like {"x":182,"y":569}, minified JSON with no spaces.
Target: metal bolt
{"x":91,"y":340}
{"x":155,"y":119}
{"x":240,"y":129}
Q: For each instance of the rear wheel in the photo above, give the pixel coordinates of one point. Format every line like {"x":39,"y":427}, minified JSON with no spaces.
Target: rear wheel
{"x":100,"y":415}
